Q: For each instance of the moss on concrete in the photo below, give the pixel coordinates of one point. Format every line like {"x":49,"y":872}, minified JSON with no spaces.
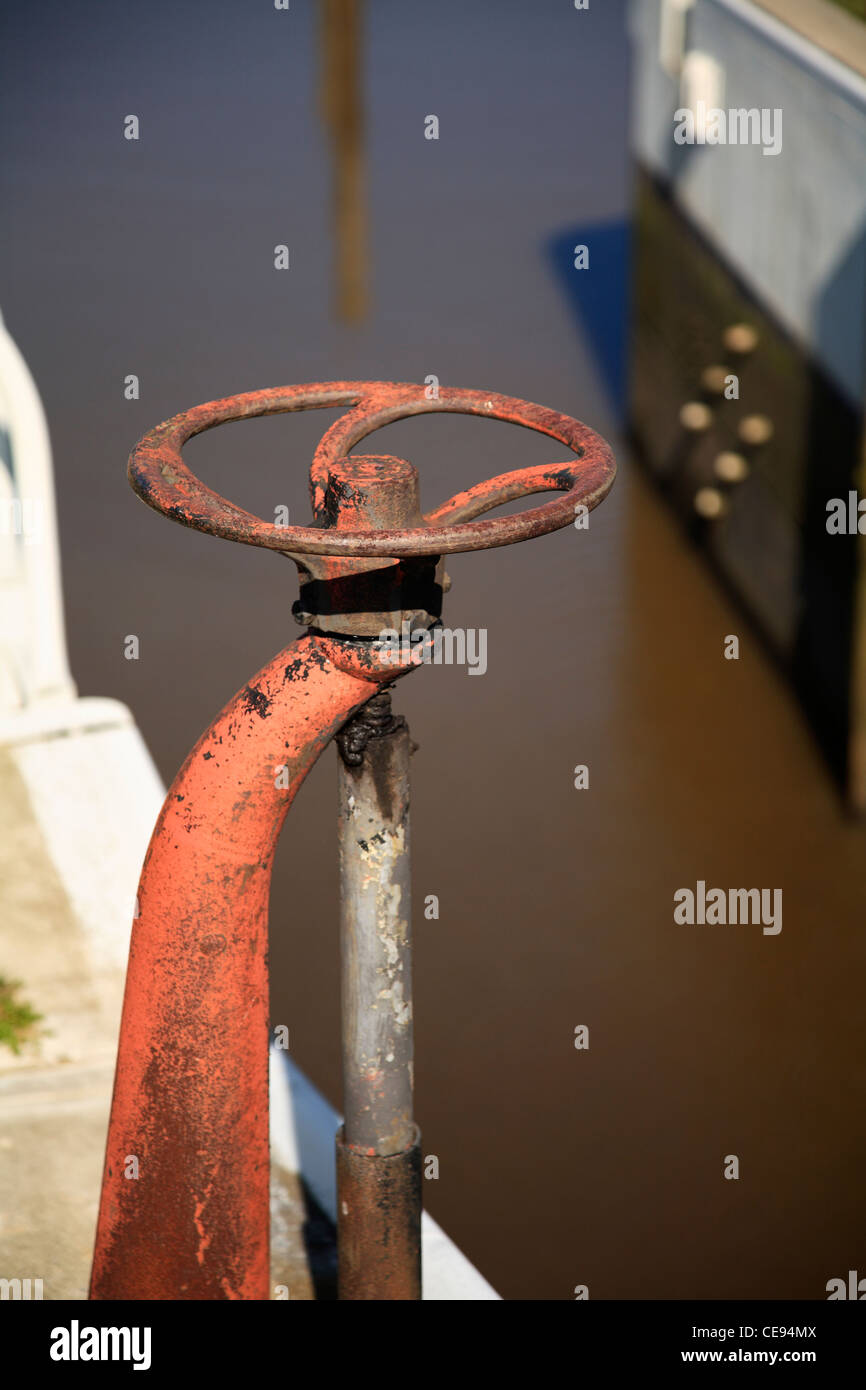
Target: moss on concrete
{"x":17,"y":1018}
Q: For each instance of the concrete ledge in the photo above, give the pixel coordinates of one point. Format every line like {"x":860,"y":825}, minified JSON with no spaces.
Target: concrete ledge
{"x":303,"y":1126}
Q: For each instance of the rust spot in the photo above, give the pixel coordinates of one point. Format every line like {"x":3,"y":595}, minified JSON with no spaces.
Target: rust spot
{"x":256,"y":701}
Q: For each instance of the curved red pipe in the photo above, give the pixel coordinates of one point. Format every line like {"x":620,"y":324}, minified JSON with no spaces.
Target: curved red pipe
{"x":184,"y":1212}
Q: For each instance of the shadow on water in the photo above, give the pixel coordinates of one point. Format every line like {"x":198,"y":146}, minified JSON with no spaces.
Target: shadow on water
{"x":599,"y":300}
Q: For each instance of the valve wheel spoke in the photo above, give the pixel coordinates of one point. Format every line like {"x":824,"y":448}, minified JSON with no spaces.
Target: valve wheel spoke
{"x":161,"y":478}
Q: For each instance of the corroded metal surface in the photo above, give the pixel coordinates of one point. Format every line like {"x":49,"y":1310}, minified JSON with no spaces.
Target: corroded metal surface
{"x":365,"y":596}
{"x":159,"y":475}
{"x":379,"y":1224}
{"x":188,"y":1219}
{"x":376,"y":931}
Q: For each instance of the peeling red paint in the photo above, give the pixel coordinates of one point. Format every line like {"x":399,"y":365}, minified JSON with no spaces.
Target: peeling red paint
{"x":191,"y":1091}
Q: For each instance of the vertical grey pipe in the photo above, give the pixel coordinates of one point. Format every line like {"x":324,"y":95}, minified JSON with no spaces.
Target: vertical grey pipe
{"x":375,"y":917}
{"x":379,"y":1147}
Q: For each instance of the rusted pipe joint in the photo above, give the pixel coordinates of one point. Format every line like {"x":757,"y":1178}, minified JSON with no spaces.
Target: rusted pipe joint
{"x":373,"y":720}
{"x":354,"y":598}
{"x":358,"y":597}
{"x":379,"y":1222}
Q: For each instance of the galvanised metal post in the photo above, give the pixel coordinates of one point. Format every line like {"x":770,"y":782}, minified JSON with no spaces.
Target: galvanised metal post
{"x":379,"y":1146}
{"x":191,"y":1088}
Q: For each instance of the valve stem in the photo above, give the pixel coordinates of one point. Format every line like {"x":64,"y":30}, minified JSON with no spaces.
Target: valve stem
{"x":378,"y":1149}
{"x":373,"y":720}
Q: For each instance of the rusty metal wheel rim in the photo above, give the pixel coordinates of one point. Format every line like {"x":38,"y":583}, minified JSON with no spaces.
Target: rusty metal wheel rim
{"x":161,"y":478}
